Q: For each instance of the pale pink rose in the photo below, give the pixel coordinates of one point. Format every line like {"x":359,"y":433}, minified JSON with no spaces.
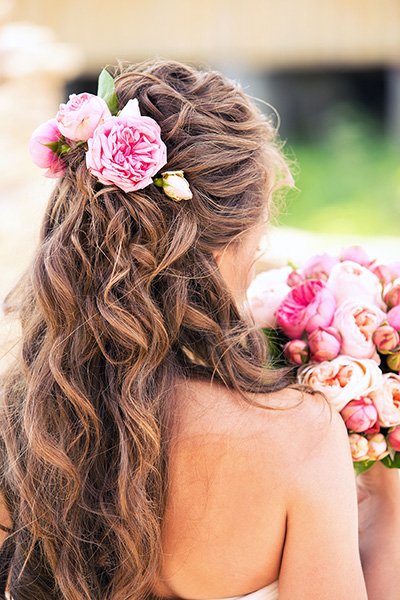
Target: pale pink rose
{"x":351,"y":280}
{"x":318,"y":266}
{"x":355,"y":254}
{"x":43,"y":156}
{"x":387,"y":400}
{"x":296,"y":352}
{"x":386,"y":338}
{"x":359,"y":447}
{"x":394,"y":438}
{"x":356,"y":322}
{"x":306,"y":307}
{"x":377,"y":446}
{"x":342,"y":379}
{"x":324,"y":343}
{"x":265,"y":293}
{"x":393,"y":361}
{"x":126,"y":150}
{"x":361,"y":415}
{"x":393,"y":317}
{"x":79,"y":117}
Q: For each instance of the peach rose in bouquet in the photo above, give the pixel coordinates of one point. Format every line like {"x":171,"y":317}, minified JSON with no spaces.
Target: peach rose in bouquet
{"x":342,"y":379}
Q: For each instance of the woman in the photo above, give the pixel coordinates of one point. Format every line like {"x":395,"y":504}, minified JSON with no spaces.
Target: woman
{"x":147,"y":450}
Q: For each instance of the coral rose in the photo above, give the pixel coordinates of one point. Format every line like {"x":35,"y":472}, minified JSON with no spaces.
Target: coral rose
{"x":361,"y":415}
{"x":351,"y":280}
{"x":342,"y":379}
{"x":387,"y":400}
{"x":126,"y":150}
{"x":79,"y":117}
{"x":41,"y":154}
{"x":265,"y":294}
{"x":356,"y":322}
{"x":306,"y":307}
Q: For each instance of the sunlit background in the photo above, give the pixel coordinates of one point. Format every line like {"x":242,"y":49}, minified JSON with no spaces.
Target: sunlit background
{"x":331,"y":68}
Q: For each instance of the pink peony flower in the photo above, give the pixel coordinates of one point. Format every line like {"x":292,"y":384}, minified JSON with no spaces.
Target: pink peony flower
{"x":377,"y":446}
{"x":351,"y":280}
{"x":386,"y":338}
{"x":382,"y":272}
{"x":394,"y":438}
{"x":355,"y":254}
{"x":265,"y":294}
{"x":342,"y":379}
{"x":79,"y":117}
{"x":306,"y":307}
{"x":387,"y":400}
{"x":393,"y":317}
{"x":43,"y":156}
{"x":126,"y":150}
{"x":318,"y":266}
{"x":356,"y":322}
{"x":296,"y":352}
{"x":324,"y":343}
{"x":361,"y":415}
{"x":359,"y":447}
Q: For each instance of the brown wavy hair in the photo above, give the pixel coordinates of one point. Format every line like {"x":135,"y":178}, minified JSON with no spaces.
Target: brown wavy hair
{"x":123,"y":300}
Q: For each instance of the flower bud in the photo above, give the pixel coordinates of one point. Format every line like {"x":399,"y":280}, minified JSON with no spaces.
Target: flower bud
{"x":393,"y":317}
{"x":377,"y":446}
{"x":324,"y":343}
{"x":294,"y":279}
{"x":359,"y":447}
{"x":394,"y":438}
{"x":175,"y":186}
{"x":355,"y":254}
{"x":386,"y":338}
{"x":393,"y":361}
{"x":392,"y":297}
{"x":361,"y":415}
{"x":296,"y":352}
{"x":383,"y":273}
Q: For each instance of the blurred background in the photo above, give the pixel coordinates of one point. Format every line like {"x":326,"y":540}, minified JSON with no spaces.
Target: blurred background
{"x":331,"y":68}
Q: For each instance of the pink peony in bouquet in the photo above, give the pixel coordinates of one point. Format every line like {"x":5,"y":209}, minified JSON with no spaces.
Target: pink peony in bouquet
{"x":337,"y":320}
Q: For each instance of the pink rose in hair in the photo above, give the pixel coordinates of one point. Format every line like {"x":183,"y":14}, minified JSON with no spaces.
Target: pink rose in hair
{"x":351,"y":280}
{"x":318,"y":266}
{"x":41,"y":154}
{"x":394,"y":438}
{"x":356,"y":322}
{"x":387,"y":400}
{"x":79,"y":117}
{"x":127,"y":150}
{"x":342,"y":379}
{"x":296,"y":352}
{"x":306,"y":307}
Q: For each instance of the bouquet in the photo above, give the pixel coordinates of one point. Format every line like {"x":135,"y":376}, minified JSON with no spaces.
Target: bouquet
{"x":337,"y":321}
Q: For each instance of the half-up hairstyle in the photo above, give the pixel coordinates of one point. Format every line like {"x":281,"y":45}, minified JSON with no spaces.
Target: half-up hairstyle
{"x":123,"y":300}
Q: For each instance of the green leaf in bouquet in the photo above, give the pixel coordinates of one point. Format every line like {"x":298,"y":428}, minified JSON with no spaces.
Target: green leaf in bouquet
{"x":106,"y":90}
{"x":392,"y":463}
{"x":363,"y":465}
{"x":275,"y":342}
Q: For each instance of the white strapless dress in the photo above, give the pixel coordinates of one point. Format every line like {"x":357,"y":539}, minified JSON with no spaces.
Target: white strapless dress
{"x":269,"y":592}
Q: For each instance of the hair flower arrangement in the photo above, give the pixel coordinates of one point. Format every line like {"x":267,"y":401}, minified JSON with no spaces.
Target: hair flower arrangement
{"x":124,"y":148}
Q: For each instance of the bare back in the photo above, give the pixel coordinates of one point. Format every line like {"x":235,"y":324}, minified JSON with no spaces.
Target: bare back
{"x":232,"y":470}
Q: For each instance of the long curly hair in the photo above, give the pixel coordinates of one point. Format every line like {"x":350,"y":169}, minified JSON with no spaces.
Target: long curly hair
{"x":123,"y":300}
